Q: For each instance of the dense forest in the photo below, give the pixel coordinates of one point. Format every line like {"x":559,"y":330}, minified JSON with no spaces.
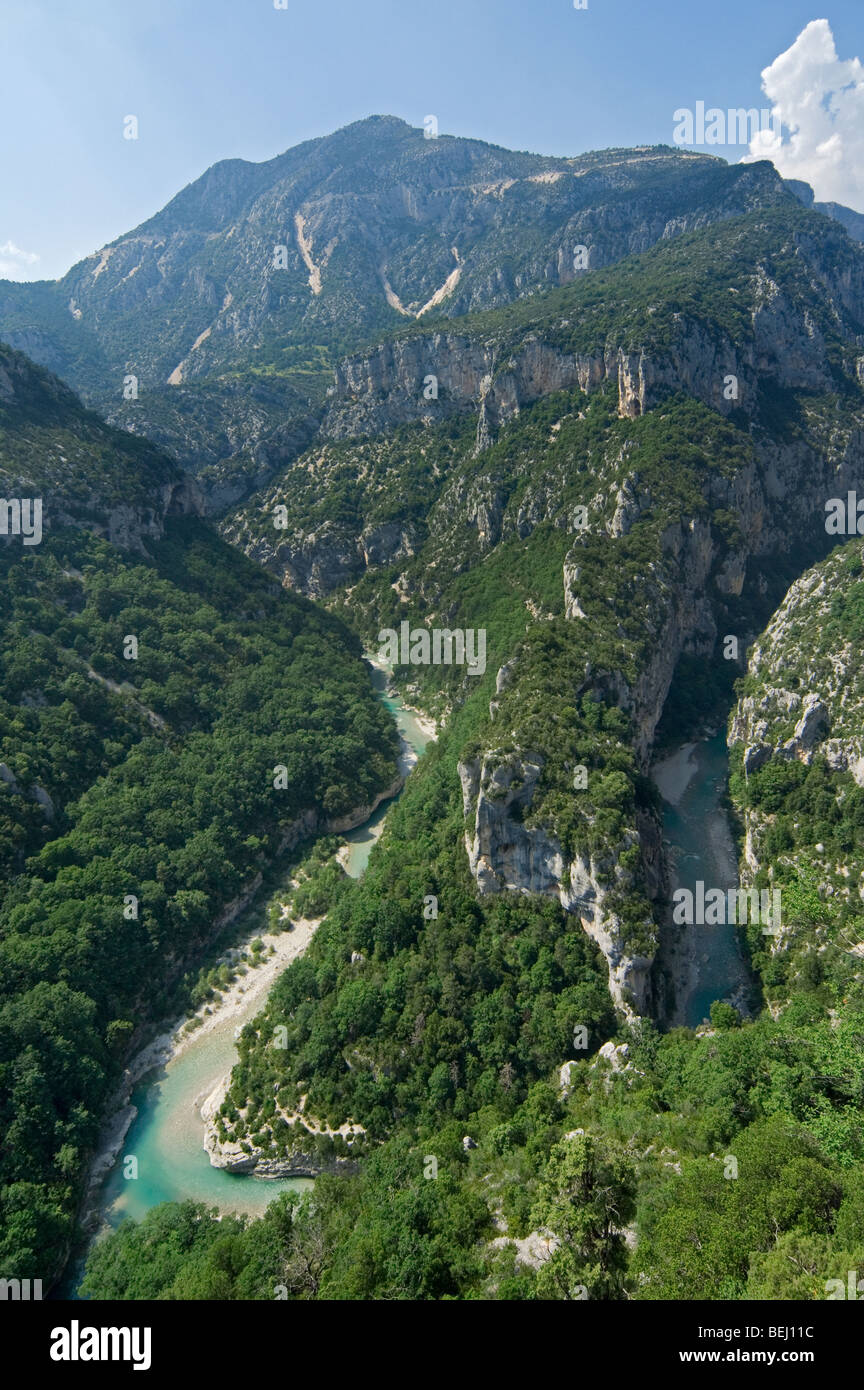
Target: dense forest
{"x":141,"y":794}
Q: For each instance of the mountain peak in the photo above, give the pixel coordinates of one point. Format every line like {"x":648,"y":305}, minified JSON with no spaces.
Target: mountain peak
{"x":234,"y":303}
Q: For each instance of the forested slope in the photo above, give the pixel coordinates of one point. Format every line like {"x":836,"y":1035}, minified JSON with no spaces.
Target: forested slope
{"x":149,"y":695}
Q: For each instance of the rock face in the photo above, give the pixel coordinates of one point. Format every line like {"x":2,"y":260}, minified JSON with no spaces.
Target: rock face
{"x":805,"y":672}
{"x":616,"y":1056}
{"x":36,"y":792}
{"x":502,"y":853}
{"x":384,"y":389}
{"x":126,"y":527}
{"x":505,"y":855}
{"x":315,"y":563}
{"x":690,"y":551}
{"x":803,"y":703}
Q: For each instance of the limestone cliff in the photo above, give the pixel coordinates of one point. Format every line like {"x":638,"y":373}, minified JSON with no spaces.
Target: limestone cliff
{"x":803,"y":699}
{"x":504,"y":854}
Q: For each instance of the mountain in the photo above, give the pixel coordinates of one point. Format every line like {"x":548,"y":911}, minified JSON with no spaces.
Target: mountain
{"x":733,"y":318}
{"x":614,"y":473}
{"x":231,"y":306}
{"x":847,"y":217}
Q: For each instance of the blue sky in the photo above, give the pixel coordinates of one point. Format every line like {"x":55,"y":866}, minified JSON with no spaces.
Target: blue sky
{"x":214,"y":79}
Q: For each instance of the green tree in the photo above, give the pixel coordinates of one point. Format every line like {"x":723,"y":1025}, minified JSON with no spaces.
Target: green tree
{"x":585,"y":1199}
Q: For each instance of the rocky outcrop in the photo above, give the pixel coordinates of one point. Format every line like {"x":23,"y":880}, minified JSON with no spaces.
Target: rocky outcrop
{"x":303,"y":1160}
{"x":505,"y":855}
{"x":34,"y":791}
{"x":128,"y":527}
{"x":502,"y":853}
{"x":806,"y":703}
{"x":687,"y":622}
{"x":340,"y":825}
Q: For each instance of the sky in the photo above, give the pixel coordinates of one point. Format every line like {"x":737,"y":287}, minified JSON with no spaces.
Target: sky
{"x":217,"y":79}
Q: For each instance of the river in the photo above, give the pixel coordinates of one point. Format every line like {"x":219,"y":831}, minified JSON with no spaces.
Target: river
{"x":705,"y":961}
{"x":415,"y":736}
{"x":166,"y":1137}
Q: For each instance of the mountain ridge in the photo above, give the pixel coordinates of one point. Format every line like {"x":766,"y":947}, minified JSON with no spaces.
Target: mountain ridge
{"x":229,"y":309}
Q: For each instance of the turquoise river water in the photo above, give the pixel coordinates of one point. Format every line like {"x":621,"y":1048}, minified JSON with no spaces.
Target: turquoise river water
{"x":699,"y":846}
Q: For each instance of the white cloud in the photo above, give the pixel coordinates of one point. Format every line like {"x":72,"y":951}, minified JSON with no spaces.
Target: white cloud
{"x":15,"y":263}
{"x":820,"y":100}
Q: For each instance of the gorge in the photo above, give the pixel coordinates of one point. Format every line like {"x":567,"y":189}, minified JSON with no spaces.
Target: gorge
{"x":620,"y":481}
